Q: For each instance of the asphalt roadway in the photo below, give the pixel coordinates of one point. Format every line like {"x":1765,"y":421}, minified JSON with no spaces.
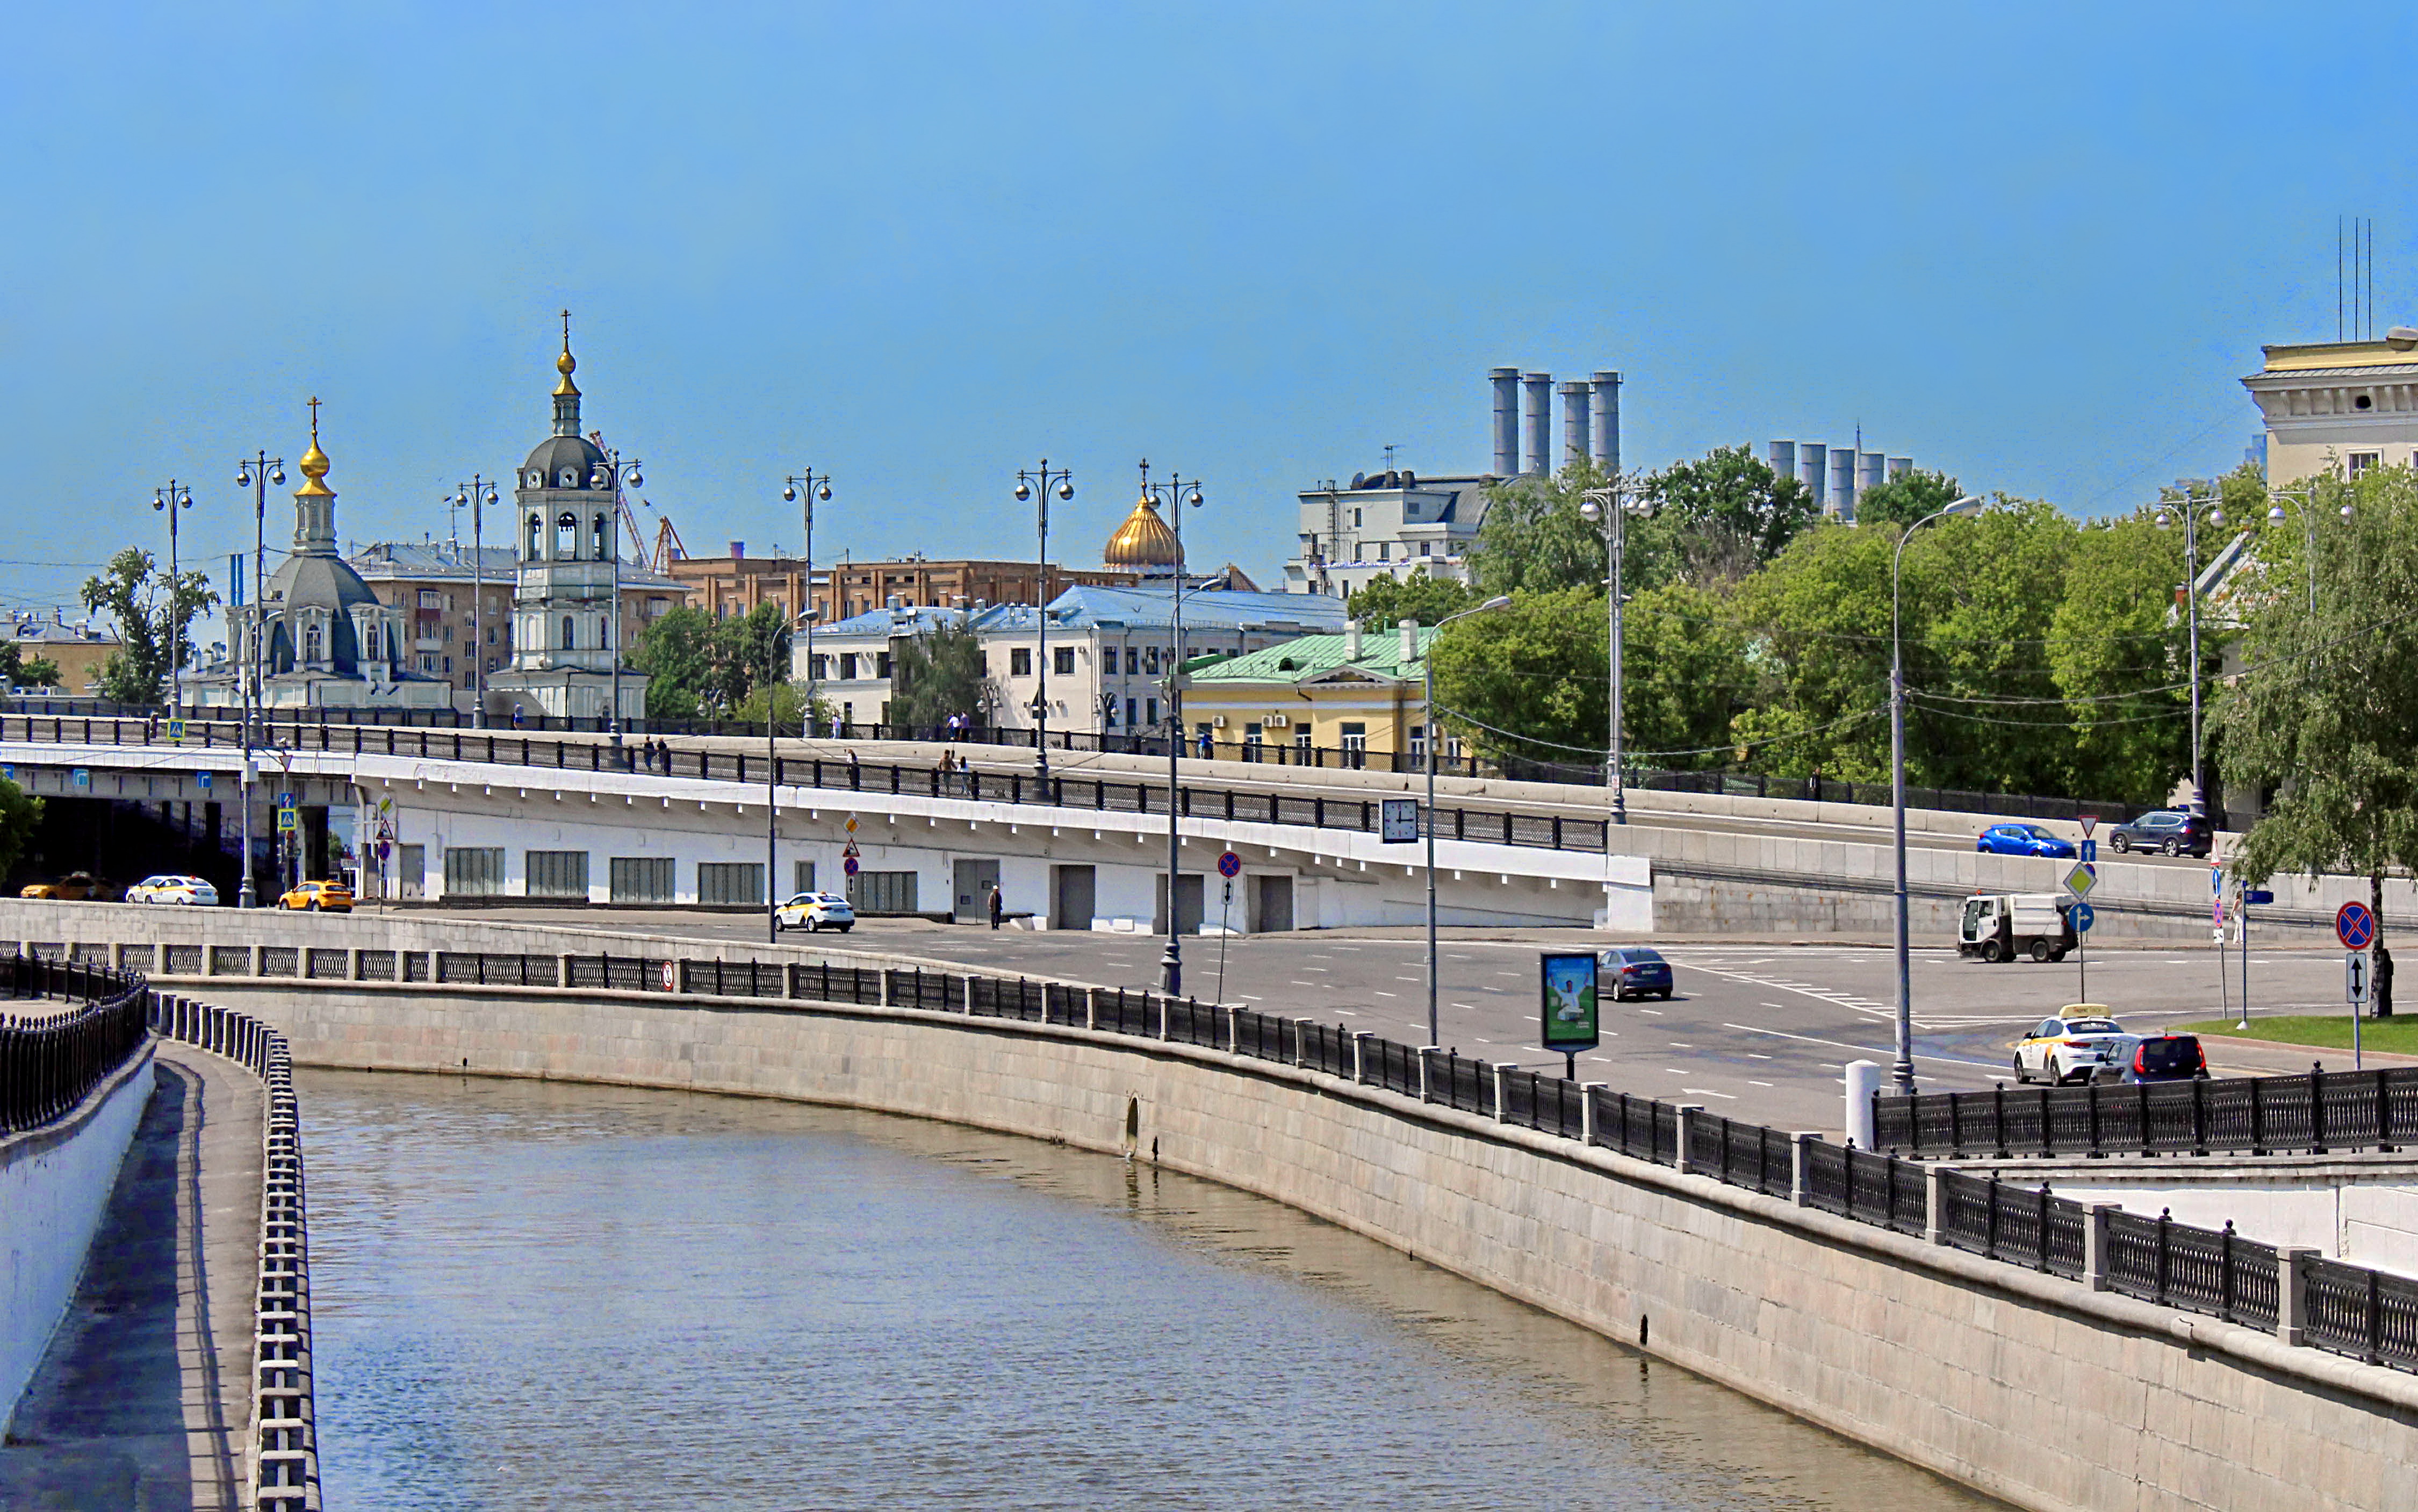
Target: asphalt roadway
{"x":1756,"y":1030}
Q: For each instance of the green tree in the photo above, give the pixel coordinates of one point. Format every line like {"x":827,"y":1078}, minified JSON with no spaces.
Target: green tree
{"x":938,"y":673}
{"x":1534,"y":539}
{"x":151,"y":612}
{"x":17,"y":672}
{"x":19,"y":813}
{"x":1387,"y":601}
{"x":1684,"y":677}
{"x":2324,"y":715}
{"x":677,"y":655}
{"x":1901,"y":501}
{"x":1723,"y":515}
{"x":1537,"y":668}
{"x":2116,"y":636}
{"x":748,"y":650}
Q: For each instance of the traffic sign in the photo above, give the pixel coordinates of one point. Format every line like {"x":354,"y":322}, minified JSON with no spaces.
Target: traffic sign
{"x":1230,"y":865}
{"x":848,"y":865}
{"x":2084,"y":916}
{"x":2355,"y":976}
{"x":2215,"y":880}
{"x":2089,"y":850}
{"x":286,"y":819}
{"x":203,"y":778}
{"x":2089,"y":822}
{"x":851,"y":826}
{"x":2080,"y":880}
{"x":175,"y":732}
{"x":2354,"y":926}
{"x":671,"y":976}
{"x":286,"y":800}
{"x":2256,"y":894}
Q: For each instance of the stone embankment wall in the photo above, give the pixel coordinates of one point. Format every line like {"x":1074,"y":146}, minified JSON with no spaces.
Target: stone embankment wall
{"x":2030,"y":1387}
{"x":54,"y":1186}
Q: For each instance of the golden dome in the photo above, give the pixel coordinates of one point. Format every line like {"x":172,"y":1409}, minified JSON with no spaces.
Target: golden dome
{"x":314,"y":464}
{"x":1142,"y":541}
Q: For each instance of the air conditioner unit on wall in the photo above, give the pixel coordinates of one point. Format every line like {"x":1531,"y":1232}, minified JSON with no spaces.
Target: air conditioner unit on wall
{"x":1217,"y":721}
{"x":1277,"y":722}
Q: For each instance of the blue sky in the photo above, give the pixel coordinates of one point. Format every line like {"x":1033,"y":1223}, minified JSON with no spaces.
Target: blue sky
{"x":921,"y":245}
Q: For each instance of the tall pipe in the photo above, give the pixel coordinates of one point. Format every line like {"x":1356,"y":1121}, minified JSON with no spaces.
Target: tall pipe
{"x":1869,"y":470}
{"x":1574,"y":423}
{"x":1606,"y":422}
{"x":1783,"y":459}
{"x":1842,"y":483}
{"x":1809,"y":459}
{"x":1899,"y":467}
{"x":1507,"y":420}
{"x":1540,"y":423}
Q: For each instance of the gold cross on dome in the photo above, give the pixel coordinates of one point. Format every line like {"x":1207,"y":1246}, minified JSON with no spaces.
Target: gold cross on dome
{"x":314,"y":416}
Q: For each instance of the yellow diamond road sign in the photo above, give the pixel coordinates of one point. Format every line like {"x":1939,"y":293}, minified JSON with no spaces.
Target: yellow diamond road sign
{"x":2080,"y":880}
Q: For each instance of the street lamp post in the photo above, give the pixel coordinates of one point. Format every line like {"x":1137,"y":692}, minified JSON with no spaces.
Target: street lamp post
{"x":256,"y":473}
{"x":1035,"y":485}
{"x":1179,"y":493}
{"x":478,"y":493}
{"x":1427,"y":668}
{"x":2307,"y":498}
{"x":1611,"y":506}
{"x":615,"y":472}
{"x":1902,"y":1070}
{"x":172,"y":498}
{"x":2190,"y":508}
{"x":808,"y":489}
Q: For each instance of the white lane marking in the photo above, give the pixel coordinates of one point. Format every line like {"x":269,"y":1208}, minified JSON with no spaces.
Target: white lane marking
{"x":1749,"y":1083}
{"x":1353,"y":1013}
{"x":1707,"y":1092}
{"x":1246,"y":996}
{"x":1860,"y":1050}
{"x":1313,"y":983}
{"x":1323,"y":968}
{"x":1680,"y":1045}
{"x":1753,"y":1055}
{"x":1656,"y":1012}
{"x":1421,"y":977}
{"x":1397,"y":994}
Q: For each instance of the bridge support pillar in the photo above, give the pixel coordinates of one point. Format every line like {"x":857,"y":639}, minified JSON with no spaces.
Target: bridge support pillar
{"x":1426,"y":1081}
{"x":1934,"y":1204}
{"x":1685,"y":1135}
{"x":353,"y":963}
{"x":2292,"y":1294}
{"x":1586,"y":1110}
{"x":1092,"y":1008}
{"x":1801,"y":1189}
{"x":2094,"y":1246}
{"x":259,"y":958}
{"x":1500,"y":1067}
{"x":562,"y":969}
{"x":1360,"y":1057}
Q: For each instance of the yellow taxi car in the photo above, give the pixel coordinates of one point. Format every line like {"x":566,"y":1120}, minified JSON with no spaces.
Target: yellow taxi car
{"x":2072,"y":1047}
{"x":318,"y":897}
{"x":74,"y":886}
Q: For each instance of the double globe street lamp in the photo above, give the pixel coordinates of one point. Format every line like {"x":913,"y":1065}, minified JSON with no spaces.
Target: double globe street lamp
{"x":477,"y":494}
{"x":1178,"y":493}
{"x":1030,"y":486}
{"x":256,"y":473}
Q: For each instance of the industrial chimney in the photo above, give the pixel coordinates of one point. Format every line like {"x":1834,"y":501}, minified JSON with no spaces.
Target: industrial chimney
{"x":1810,"y":456}
{"x":1843,"y":481}
{"x":1606,"y":422}
{"x":1783,"y":459}
{"x":1506,"y":421}
{"x":1871,"y":467}
{"x":1574,"y":423}
{"x":1540,"y":423}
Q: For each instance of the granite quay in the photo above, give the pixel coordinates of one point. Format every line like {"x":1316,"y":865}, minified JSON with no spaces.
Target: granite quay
{"x":1822,"y":1280}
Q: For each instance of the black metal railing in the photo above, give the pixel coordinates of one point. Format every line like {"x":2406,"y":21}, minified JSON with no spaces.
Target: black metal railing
{"x":50,"y":1062}
{"x":2316,"y":1111}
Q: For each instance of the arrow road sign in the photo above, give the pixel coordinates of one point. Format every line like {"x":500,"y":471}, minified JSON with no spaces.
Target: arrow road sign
{"x":2080,"y":880}
{"x":2084,"y":916}
{"x":2090,"y":849}
{"x":2354,"y":926}
{"x":2355,"y":975}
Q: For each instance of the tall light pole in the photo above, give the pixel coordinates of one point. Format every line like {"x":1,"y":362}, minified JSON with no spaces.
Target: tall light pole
{"x":1179,"y":493}
{"x":173,"y":498}
{"x":256,"y":473}
{"x":478,"y":493}
{"x":1902,"y":1071}
{"x":1427,"y":667}
{"x":1611,"y":506}
{"x":772,"y":787}
{"x":2308,"y":499}
{"x":2189,"y":509}
{"x":1030,"y":486}
{"x":809,"y":488}
{"x":613,"y":473}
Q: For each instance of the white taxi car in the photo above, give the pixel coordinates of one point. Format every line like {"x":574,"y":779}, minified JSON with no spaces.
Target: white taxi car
{"x":193,"y":892}
{"x":2072,"y":1047}
{"x":811,"y":911}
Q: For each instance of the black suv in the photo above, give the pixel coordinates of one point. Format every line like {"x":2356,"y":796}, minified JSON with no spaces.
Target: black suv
{"x":2170,"y":831}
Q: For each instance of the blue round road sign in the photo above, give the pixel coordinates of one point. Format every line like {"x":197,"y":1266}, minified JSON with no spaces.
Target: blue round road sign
{"x":2354,"y":926}
{"x":848,"y":865}
{"x":1230,"y":865}
{"x":2084,"y":916}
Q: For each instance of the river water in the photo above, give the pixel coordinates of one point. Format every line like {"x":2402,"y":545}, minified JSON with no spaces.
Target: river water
{"x":531,"y":1296}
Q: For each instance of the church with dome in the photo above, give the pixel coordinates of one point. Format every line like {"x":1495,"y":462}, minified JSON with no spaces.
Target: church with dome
{"x":324,"y":639}
{"x":567,"y":548}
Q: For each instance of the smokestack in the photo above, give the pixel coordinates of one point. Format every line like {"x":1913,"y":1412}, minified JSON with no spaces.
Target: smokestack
{"x":1574,"y":423}
{"x":1843,"y":481}
{"x":1899,"y":467}
{"x":1506,"y":421}
{"x":1783,"y":459}
{"x":738,"y":550}
{"x":1871,"y":467}
{"x":1606,"y":422}
{"x":1410,"y":628}
{"x":1810,"y":456}
{"x":1540,"y":423}
{"x":1352,"y":640}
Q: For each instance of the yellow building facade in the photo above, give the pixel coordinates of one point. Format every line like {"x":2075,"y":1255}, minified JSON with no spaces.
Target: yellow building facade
{"x":1354,"y":694}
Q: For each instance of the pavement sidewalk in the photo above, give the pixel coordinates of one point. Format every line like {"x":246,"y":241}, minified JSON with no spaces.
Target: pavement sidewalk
{"x":145,"y":1399}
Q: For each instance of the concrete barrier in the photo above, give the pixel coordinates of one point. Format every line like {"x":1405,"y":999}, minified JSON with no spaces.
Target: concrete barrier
{"x":54,"y":1186}
{"x":2035,"y":1389}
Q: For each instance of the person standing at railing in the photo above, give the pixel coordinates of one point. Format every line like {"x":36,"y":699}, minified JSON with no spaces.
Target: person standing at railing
{"x":998,"y":906}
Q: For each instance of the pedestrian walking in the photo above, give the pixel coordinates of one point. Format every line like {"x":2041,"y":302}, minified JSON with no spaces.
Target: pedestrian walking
{"x":998,"y":906}
{"x":516,"y":716}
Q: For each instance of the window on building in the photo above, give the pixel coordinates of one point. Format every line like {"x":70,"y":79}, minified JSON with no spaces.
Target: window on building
{"x":883,"y":891}
{"x":1385,"y":551}
{"x":1150,"y":660}
{"x":315,"y":643}
{"x":1062,"y":661}
{"x":570,"y":636}
{"x":474,"y":871}
{"x":1419,"y":742}
{"x":491,"y":634}
{"x":448,"y":666}
{"x":882,"y":664}
{"x":596,"y":538}
{"x":1355,"y":737}
{"x":802,"y":877}
{"x":431,"y":599}
{"x":815,"y":667}
{"x":1300,"y":738}
{"x":848,"y":667}
{"x":730,"y":882}
{"x":1356,"y":519}
{"x":427,"y":663}
{"x":1150,"y":712}
{"x":1132,"y":708}
{"x":1254,"y":737}
{"x":370,"y":647}
{"x":1019,"y":662}
{"x":2361,"y":460}
{"x":1108,"y":661}
{"x":644,"y":879}
{"x":557,"y":873}
{"x":1427,"y":548}
{"x":566,"y":537}
{"x":536,"y":547}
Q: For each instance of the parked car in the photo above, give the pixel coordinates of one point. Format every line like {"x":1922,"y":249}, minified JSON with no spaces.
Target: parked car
{"x":2076,"y":1043}
{"x":2023,"y":840}
{"x":1999,"y":926}
{"x":2168,"y":830}
{"x":1634,"y":971}
{"x":812,"y":912}
{"x":318,"y":897}
{"x":2155,"y":1058}
{"x":193,"y":892}
{"x":75,"y":887}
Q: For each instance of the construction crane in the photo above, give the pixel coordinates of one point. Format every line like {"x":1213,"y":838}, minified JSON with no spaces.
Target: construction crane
{"x":668,"y":546}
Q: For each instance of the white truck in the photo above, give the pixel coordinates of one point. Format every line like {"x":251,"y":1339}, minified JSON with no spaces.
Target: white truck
{"x":1998,"y":926}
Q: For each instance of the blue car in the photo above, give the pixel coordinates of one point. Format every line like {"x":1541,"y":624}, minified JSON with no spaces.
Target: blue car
{"x":1632,"y":971}
{"x":2023,"y":840}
